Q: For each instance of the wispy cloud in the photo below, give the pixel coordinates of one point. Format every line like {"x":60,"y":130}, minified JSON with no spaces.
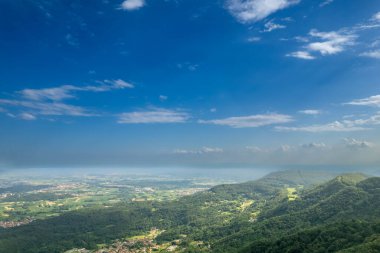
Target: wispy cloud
{"x":372,"y":23}
{"x":163,"y":98}
{"x":48,"y":108}
{"x":324,"y":43}
{"x":66,"y":91}
{"x":353,"y":143}
{"x":347,"y":152}
{"x":330,"y":42}
{"x":203,"y":150}
{"x":254,"y":149}
{"x":246,"y":11}
{"x":310,"y":112}
{"x":372,"y":54}
{"x":55,"y":94}
{"x":376,"y":17}
{"x":188,"y":66}
{"x":314,"y":145}
{"x":326,"y":2}
{"x":335,"y":42}
{"x":301,"y":55}
{"x":346,"y":125}
{"x":157,"y":115}
{"x":369,"y":101}
{"x":253,"y":39}
{"x":27,"y":116}
{"x":48,"y":101}
{"x":271,"y":26}
{"x":251,"y":121}
{"x":131,"y":5}
{"x":336,"y":126}
{"x":370,"y":121}
{"x":71,"y":40}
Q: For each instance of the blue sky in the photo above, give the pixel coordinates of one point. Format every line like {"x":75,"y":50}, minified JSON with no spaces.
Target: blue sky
{"x":180,"y":83}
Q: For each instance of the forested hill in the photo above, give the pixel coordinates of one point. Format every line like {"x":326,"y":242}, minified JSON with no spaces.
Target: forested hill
{"x":273,"y":182}
{"x":341,"y":214}
{"x":282,"y":212}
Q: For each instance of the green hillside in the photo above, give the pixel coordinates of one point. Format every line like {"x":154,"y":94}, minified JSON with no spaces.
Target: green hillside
{"x":323,"y":208}
{"x":282,"y":212}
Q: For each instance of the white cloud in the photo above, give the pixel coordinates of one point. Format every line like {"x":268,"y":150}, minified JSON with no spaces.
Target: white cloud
{"x":271,"y":26}
{"x":310,"y":112}
{"x":251,"y":121}
{"x":325,"y":43}
{"x":376,"y":17}
{"x":213,"y":110}
{"x":301,"y":55}
{"x":375,"y":43}
{"x":11,"y":115}
{"x":193,"y":67}
{"x":71,"y":40}
{"x":203,"y":150}
{"x":284,"y":148}
{"x":56,"y":94}
{"x":188,"y":66}
{"x":326,"y":2}
{"x":66,"y":91}
{"x":254,"y":149}
{"x":211,"y":150}
{"x":301,"y":39}
{"x":348,"y":152}
{"x":48,"y":101}
{"x":330,"y":42}
{"x":370,"y":101}
{"x":156,"y":115}
{"x":372,"y":23}
{"x":314,"y":145}
{"x":163,"y":98}
{"x":130,"y":5}
{"x":254,"y":10}
{"x":48,"y":108}
{"x":337,"y":126}
{"x":353,"y":143}
{"x":334,"y":42}
{"x":184,"y":151}
{"x":253,"y":39}
{"x":372,"y":54}
{"x":372,"y":120}
{"x":27,"y":116}
{"x":117,"y":84}
{"x":330,"y":127}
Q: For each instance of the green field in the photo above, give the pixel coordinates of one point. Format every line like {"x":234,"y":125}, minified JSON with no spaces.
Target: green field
{"x":58,"y":195}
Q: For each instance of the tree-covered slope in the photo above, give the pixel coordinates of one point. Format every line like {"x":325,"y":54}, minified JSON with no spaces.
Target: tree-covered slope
{"x":328,"y":208}
{"x":256,"y":216}
{"x":343,"y":236}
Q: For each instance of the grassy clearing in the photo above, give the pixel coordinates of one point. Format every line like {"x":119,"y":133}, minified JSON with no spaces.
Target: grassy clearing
{"x":245,"y":205}
{"x":292,"y":194}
